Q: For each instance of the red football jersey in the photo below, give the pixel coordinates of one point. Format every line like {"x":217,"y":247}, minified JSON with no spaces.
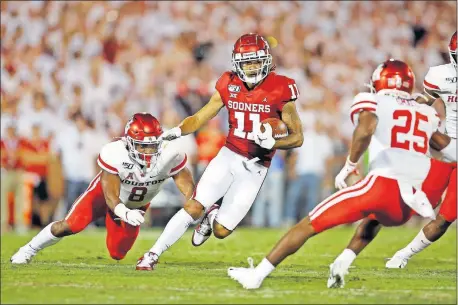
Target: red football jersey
{"x":248,"y":108}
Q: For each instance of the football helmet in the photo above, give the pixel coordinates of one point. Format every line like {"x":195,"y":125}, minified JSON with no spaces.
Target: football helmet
{"x":252,"y":52}
{"x":393,"y":77}
{"x":142,"y":134}
{"x":452,"y":50}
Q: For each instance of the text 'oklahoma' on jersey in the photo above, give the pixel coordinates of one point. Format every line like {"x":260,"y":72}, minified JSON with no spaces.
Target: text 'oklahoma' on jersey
{"x":248,"y":108}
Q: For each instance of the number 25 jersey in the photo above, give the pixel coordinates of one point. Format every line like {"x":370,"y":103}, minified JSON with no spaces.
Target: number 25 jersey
{"x":401,"y":140}
{"x":248,"y":108}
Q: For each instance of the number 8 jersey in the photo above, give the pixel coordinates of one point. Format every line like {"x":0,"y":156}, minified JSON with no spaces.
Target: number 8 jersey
{"x":399,"y":145}
{"x":248,"y":108}
{"x":138,"y":189}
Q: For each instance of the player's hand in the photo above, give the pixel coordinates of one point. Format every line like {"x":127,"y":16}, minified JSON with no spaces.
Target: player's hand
{"x":171,"y":134}
{"x":265,"y":139}
{"x":132,"y":217}
{"x":348,"y":168}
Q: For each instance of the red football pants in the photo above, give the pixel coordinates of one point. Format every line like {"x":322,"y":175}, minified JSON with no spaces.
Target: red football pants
{"x":91,"y":206}
{"x":378,"y":198}
{"x":448,"y":207}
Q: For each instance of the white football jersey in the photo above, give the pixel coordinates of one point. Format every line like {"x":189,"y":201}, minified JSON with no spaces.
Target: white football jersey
{"x":137,"y":189}
{"x":442,"y":79}
{"x":401,"y":140}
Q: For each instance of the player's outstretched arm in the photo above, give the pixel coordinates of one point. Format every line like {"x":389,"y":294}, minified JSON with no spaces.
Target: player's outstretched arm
{"x":111,"y":186}
{"x":185,"y":182}
{"x":201,"y":117}
{"x":295,"y":136}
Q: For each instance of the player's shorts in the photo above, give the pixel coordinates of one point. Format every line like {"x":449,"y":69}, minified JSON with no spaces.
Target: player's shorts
{"x":91,"y":206}
{"x":226,"y":176}
{"x":448,"y":207}
{"x":378,"y":198}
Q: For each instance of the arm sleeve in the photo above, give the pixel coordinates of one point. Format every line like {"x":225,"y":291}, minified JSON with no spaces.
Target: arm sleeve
{"x":107,"y":159}
{"x":362,"y":102}
{"x":178,"y":163}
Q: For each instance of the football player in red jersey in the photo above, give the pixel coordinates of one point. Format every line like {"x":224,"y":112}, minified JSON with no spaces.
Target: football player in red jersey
{"x":251,"y":92}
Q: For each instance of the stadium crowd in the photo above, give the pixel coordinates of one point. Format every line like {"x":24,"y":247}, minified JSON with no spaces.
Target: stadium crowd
{"x":72,"y":73}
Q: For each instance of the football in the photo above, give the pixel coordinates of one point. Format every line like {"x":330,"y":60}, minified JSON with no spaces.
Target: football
{"x":279,"y":129}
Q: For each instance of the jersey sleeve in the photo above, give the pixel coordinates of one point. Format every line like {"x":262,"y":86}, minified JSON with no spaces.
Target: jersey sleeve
{"x":363,"y":101}
{"x":222,"y":82}
{"x":109,"y":159}
{"x":178,"y":163}
{"x":432,"y":79}
{"x":290,"y":92}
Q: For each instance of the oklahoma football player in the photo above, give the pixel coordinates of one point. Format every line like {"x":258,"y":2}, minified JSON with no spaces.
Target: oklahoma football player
{"x":133,"y":170}
{"x":251,"y":92}
{"x":397,"y":131}
{"x":440,"y":88}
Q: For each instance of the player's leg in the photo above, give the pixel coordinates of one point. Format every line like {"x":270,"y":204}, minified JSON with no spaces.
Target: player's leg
{"x":88,"y":207}
{"x":238,"y":199}
{"x":346,"y":206}
{"x":211,"y":187}
{"x":432,"y":231}
{"x":365,"y":233}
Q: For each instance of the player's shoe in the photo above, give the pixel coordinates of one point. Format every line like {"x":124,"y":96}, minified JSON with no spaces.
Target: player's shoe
{"x":337,"y":273}
{"x":203,"y":231}
{"x":23,"y":255}
{"x":397,"y":261}
{"x":247,"y":277}
{"x":147,"y":262}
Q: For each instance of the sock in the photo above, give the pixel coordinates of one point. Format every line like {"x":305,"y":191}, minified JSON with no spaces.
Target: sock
{"x":417,"y":245}
{"x":264,"y":268}
{"x":346,"y":258}
{"x":43,"y":239}
{"x":174,"y":229}
{"x":212,"y":216}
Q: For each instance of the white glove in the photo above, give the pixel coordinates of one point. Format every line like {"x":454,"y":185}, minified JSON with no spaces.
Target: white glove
{"x":348,"y":168}
{"x":171,"y":134}
{"x":265,"y":139}
{"x":132,"y":217}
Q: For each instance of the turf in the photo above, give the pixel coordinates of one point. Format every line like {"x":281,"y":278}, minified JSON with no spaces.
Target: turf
{"x":79,"y":270}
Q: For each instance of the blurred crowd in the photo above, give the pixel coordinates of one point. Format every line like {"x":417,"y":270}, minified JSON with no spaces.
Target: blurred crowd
{"x":72,"y":73}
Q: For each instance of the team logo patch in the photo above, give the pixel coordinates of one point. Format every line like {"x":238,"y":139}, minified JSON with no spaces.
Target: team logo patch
{"x":127,"y":165}
{"x":233,"y":88}
{"x":233,"y":95}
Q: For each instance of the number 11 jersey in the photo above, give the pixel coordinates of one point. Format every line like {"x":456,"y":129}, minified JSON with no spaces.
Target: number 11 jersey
{"x":248,"y":108}
{"x":401,"y":140}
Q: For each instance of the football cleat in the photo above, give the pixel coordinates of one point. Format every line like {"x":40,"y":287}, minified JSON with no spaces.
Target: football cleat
{"x":247,"y":277}
{"x":147,"y":262}
{"x":23,"y":255}
{"x":397,"y":261}
{"x":336,"y":275}
{"x":203,"y":231}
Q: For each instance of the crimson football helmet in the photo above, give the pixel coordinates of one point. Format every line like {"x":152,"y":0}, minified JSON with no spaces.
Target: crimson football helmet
{"x":251,"y":48}
{"x":452,"y":50}
{"x":142,"y":133}
{"x":393,"y":77}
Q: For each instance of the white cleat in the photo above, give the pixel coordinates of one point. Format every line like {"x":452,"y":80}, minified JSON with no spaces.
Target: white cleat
{"x":246,"y":277}
{"x":23,"y":255}
{"x":397,"y":261}
{"x":336,"y":275}
{"x":203,"y":231}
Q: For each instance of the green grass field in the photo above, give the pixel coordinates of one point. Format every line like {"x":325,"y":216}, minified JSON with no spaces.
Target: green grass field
{"x":79,"y":270}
